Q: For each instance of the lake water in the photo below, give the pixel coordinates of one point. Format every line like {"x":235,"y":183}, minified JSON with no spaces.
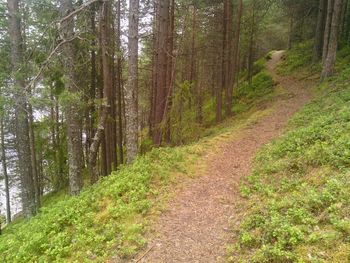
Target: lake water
{"x":15,"y":200}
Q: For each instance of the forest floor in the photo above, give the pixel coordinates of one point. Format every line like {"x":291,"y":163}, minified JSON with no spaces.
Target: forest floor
{"x":196,"y":225}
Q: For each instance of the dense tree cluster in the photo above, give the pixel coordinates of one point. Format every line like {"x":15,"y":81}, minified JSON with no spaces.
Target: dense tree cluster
{"x":87,"y":85}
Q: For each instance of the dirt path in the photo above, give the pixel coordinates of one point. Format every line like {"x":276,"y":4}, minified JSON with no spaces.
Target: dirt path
{"x":195,"y":227}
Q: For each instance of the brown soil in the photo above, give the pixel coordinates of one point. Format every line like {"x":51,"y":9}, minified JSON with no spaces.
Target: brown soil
{"x":195,"y":228}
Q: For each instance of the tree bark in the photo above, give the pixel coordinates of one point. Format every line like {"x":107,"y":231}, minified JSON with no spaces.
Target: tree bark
{"x":160,"y":74}
{"x":131,"y":91}
{"x":328,"y":66}
{"x":119,"y":87}
{"x":319,"y":35}
{"x":170,"y":72}
{"x":4,"y":169}
{"x":233,"y":58}
{"x":22,"y":125}
{"x":93,"y":77}
{"x":33,"y":158}
{"x":224,"y":61}
{"x":251,"y":48}
{"x":327,"y":29}
{"x":108,"y":93}
{"x":72,"y":109}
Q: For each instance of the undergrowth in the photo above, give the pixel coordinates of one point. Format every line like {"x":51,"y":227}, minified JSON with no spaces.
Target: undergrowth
{"x":110,"y":219}
{"x":299,"y":191}
{"x":104,"y":218}
{"x":299,"y":57}
{"x":185,"y":126}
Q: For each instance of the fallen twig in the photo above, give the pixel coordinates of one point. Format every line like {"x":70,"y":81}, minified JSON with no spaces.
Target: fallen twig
{"x":144,"y":254}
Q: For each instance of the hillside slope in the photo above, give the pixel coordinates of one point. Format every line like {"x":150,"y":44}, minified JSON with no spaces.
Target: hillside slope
{"x":111,"y":218}
{"x":194,"y":227}
{"x":298,"y":195}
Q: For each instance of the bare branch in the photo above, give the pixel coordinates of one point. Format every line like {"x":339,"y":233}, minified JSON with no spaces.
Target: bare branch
{"x":78,"y":10}
{"x":47,"y":60}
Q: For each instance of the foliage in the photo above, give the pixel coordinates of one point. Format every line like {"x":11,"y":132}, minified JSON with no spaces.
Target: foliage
{"x":297,"y":58}
{"x":105,"y":219}
{"x":185,"y":128}
{"x":299,"y":191}
{"x":261,"y":85}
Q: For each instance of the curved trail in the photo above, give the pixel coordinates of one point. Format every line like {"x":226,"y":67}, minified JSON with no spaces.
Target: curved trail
{"x":195,"y":228}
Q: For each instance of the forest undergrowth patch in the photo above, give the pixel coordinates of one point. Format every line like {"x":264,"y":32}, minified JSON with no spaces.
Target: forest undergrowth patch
{"x":111,"y":218}
{"x":298,"y":195}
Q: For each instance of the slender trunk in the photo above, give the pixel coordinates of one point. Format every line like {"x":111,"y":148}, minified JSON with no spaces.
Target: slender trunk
{"x":224,"y":62}
{"x":327,"y":29}
{"x":105,"y":39}
{"x":119,"y":87}
{"x":233,"y":51}
{"x":93,"y":150}
{"x":154,"y":74}
{"x":343,"y":18}
{"x":61,"y":182}
{"x":170,"y":72}
{"x":93,"y":76}
{"x":319,"y":35}
{"x":291,"y":32}
{"x":72,"y":109}
{"x":251,"y":49}
{"x":235,"y":58}
{"x":193,"y":46}
{"x":33,"y":158}
{"x":131,"y":95}
{"x":198,"y":85}
{"x":4,"y":169}
{"x":347,"y":25}
{"x":328,"y":66}
{"x":161,"y":89}
{"x":22,"y":125}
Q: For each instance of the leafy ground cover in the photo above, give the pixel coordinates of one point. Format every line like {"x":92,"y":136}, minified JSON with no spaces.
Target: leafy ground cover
{"x":110,"y":219}
{"x":298,"y":195}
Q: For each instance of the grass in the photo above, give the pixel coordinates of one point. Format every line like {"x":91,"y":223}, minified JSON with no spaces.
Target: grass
{"x":298,"y":59}
{"x":107,"y":217}
{"x":298,"y":195}
{"x":111,"y":218}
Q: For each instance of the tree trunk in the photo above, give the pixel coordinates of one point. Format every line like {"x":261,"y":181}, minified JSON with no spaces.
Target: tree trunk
{"x":170,"y":72}
{"x":161,"y":89}
{"x":327,"y":29}
{"x":224,"y":60}
{"x":4,"y":169}
{"x":343,"y":18}
{"x":233,"y":57}
{"x":93,"y":78}
{"x":291,"y":32}
{"x":22,"y":125}
{"x":329,"y":63}
{"x":105,"y":39}
{"x":119,"y":87}
{"x":33,"y":158}
{"x":319,"y":35}
{"x":72,"y":109}
{"x":251,"y":48}
{"x":347,"y":25}
{"x":93,"y":150}
{"x":131,"y":94}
